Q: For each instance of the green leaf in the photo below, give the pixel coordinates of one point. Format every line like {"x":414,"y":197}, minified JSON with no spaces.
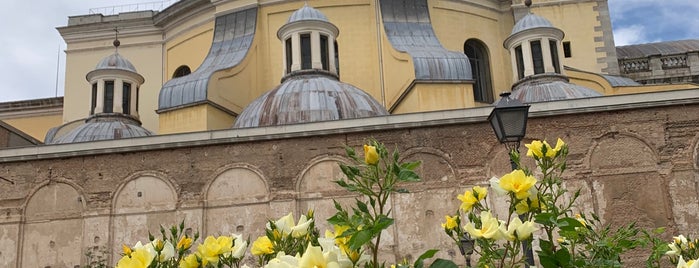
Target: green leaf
{"x":563,"y":257}
{"x":442,"y":263}
{"x":568,"y":224}
{"x":428,"y":254}
{"x":408,"y":175}
{"x":360,"y":238}
{"x":410,"y":165}
{"x":382,"y":223}
{"x":547,"y":219}
{"x":362,"y":206}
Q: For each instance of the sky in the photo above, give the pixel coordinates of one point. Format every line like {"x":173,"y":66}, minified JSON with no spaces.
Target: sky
{"x":32,"y":62}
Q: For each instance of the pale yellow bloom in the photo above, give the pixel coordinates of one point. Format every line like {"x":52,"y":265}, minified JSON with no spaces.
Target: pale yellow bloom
{"x":508,"y":232}
{"x":689,"y":264}
{"x":301,"y":229}
{"x":371,"y":157}
{"x":284,"y":224}
{"x":525,"y":230}
{"x":489,"y":228}
{"x":314,"y":258}
{"x":262,"y":246}
{"x":518,"y":183}
{"x":239,"y":246}
{"x":167,"y":250}
{"x":283,"y":261}
{"x":140,"y":258}
{"x":450,"y":222}
{"x":213,"y":248}
{"x":524,"y":206}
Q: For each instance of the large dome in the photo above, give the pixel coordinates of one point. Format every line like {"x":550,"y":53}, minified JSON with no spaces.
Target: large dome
{"x":309,"y":98}
{"x":549,"y":87}
{"x":104,"y":128}
{"x":531,"y":21}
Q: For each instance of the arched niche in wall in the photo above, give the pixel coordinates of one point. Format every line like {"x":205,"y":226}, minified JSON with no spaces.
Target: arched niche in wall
{"x":316,"y":189}
{"x":143,"y":203}
{"x":419,"y":213}
{"x":237,"y":201}
{"x":52,"y":231}
{"x":625,"y":181}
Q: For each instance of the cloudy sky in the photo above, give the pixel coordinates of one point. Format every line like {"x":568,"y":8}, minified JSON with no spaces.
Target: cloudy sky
{"x":30,"y":45}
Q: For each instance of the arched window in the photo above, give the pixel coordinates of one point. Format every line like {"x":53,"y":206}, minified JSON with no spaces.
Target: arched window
{"x":477,"y":54}
{"x":182,"y":71}
{"x":306,"y":51}
{"x":108,"y":96}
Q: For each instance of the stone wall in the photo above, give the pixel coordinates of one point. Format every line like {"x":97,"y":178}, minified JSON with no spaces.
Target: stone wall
{"x":631,"y":165}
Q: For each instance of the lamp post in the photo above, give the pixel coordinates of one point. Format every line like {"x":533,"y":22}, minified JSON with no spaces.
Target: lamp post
{"x":466,"y":246}
{"x":509,"y":122}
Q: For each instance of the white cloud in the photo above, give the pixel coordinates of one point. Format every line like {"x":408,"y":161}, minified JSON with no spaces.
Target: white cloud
{"x":632,"y":34}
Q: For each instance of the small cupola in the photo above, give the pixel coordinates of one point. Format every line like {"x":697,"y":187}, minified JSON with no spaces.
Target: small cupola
{"x":534,"y":46}
{"x":114,"y":105}
{"x":115,"y":85}
{"x":309,"y":42}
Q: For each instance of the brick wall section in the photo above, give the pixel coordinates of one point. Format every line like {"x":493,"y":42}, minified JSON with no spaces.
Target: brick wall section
{"x":632,"y":165}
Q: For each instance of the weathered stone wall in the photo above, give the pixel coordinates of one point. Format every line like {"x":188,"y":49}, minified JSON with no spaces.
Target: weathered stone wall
{"x":632,"y":165}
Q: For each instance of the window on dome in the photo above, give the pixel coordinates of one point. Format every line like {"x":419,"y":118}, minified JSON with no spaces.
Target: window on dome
{"x":126,"y":98}
{"x":337,"y":59}
{"x":537,"y":57}
{"x":554,"y":56}
{"x":324,"y":52}
{"x":94,"y":98}
{"x":108,"y":96}
{"x":306,"y":51}
{"x":289,"y":53}
{"x":520,"y":62}
{"x":477,"y":54}
{"x":182,"y":71}
{"x":137,"y":90}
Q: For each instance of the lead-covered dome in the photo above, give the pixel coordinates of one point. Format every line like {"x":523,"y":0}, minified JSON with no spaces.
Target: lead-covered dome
{"x":307,"y":13}
{"x":115,"y":61}
{"x":104,"y":128}
{"x":549,"y":87}
{"x":531,"y":21}
{"x":309,"y":98}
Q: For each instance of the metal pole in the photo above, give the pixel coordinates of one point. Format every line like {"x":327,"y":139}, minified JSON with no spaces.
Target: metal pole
{"x":527,"y":245}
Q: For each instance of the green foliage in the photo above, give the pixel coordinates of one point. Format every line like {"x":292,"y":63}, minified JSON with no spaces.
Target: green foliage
{"x":376,"y":180}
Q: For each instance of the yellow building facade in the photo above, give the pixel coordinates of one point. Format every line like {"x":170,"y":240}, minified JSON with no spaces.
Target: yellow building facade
{"x":158,"y":43}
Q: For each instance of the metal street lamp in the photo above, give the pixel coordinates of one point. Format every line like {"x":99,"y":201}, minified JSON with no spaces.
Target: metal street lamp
{"x":509,"y":121}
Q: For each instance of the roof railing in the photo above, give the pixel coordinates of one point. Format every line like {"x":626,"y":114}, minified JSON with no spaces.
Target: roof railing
{"x":113,"y":10}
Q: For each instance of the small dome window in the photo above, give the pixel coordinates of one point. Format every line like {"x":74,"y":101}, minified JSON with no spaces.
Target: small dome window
{"x":182,"y":71}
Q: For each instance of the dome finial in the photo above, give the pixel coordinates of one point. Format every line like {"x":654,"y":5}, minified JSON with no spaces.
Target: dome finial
{"x":528,"y":3}
{"x":116,"y":42}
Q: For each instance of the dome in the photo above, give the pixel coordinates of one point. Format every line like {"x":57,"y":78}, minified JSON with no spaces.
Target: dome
{"x":549,"y":87}
{"x":108,"y":127}
{"x":531,"y":21}
{"x":307,"y":13}
{"x":115,"y":61}
{"x":309,"y":98}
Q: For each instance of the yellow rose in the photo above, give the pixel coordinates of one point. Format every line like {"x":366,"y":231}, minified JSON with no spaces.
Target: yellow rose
{"x":140,"y":258}
{"x":213,"y":248}
{"x":185,"y":243}
{"x":535,"y":149}
{"x":518,"y":183}
{"x":262,"y":246}
{"x":191,"y":261}
{"x":127,"y":250}
{"x":371,"y":157}
{"x":480,"y":192}
{"x":450,"y":222}
{"x":524,"y":205}
{"x":467,"y":200}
